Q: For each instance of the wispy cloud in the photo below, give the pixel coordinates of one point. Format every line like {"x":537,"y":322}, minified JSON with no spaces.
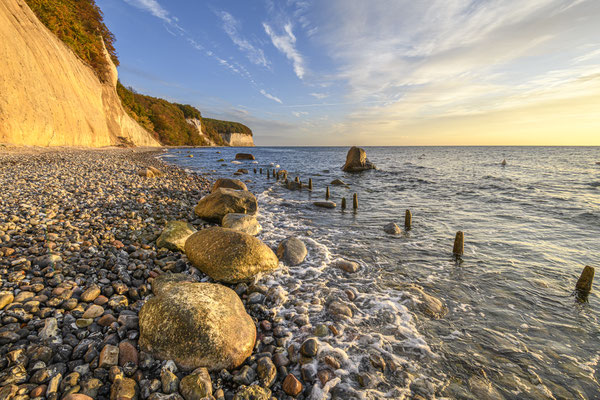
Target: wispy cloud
{"x":319,"y":95}
{"x":231,"y":27}
{"x":299,"y":113}
{"x":154,"y":8}
{"x":270,"y":96}
{"x":286,"y":43}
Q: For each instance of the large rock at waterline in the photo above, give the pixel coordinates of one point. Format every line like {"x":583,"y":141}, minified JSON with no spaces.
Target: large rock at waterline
{"x":197,"y":325}
{"x":174,"y":235}
{"x":292,"y":251}
{"x":242,"y":222}
{"x":229,"y":184}
{"x":356,"y":161}
{"x":244,"y":156}
{"x":229,"y":256}
{"x":223,"y":201}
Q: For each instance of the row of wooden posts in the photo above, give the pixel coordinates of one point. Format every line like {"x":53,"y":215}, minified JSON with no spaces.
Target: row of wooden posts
{"x":582,"y":288}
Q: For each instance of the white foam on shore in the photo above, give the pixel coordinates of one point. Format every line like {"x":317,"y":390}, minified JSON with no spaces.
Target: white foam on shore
{"x":381,"y":324}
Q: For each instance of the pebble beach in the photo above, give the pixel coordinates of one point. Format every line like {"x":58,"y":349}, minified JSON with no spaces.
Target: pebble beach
{"x":78,"y":258}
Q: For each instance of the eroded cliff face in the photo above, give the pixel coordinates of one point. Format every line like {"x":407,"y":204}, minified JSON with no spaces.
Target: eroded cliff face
{"x":49,"y":97}
{"x":196,"y":123}
{"x":238,"y":139}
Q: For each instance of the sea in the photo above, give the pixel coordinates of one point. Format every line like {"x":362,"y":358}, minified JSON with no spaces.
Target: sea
{"x":514,"y":328}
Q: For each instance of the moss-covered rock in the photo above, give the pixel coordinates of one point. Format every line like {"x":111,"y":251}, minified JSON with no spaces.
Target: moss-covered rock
{"x":242,"y":222}
{"x":223,"y":201}
{"x":229,"y":184}
{"x":229,"y":256}
{"x":197,"y":325}
{"x":174,"y":235}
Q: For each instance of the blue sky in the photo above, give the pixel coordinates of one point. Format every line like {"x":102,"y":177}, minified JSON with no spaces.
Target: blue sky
{"x":343,"y":72}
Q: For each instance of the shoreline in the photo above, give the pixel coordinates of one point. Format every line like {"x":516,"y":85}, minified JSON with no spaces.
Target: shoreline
{"x":74,"y":220}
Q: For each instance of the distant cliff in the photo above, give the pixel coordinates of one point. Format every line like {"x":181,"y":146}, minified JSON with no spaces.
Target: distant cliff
{"x":232,"y":133}
{"x":49,"y":96}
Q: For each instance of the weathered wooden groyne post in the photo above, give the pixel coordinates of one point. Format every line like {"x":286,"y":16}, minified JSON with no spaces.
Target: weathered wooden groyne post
{"x":261,"y":171}
{"x":297,"y":179}
{"x":343,"y":203}
{"x":327,"y":194}
{"x":254,"y":170}
{"x":407,"y":220}
{"x":584,"y":283}
{"x":310,"y":186}
{"x":355,"y":202}
{"x":459,"y":244}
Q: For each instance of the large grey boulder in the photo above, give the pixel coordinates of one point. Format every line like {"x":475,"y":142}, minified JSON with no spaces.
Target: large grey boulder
{"x":229,"y":184}
{"x":197,"y":325}
{"x":356,"y":161}
{"x":242,"y":222}
{"x":229,"y":256}
{"x":215,"y":206}
{"x":292,"y":251}
{"x":174,"y":235}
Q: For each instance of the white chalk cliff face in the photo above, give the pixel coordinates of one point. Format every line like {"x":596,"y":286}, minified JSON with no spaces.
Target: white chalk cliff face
{"x":238,"y":139}
{"x":196,"y":123}
{"x":49,"y":97}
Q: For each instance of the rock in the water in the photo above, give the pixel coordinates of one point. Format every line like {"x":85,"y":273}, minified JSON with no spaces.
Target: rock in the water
{"x":340,"y":310}
{"x":338,"y":182}
{"x":253,"y":392}
{"x":223,"y":201}
{"x":229,"y":184}
{"x":242,"y":222}
{"x":325,"y":204}
{"x":293,"y":185}
{"x":174,"y":235}
{"x":197,"y":325}
{"x":348,"y":266}
{"x":430,"y":305}
{"x":229,"y":256}
{"x":292,"y":251}
{"x":356,"y":161}
{"x":392,"y":229}
{"x":244,"y":156}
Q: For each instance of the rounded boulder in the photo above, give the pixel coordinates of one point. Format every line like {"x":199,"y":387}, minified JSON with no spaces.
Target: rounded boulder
{"x":229,"y":256}
{"x":226,"y":183}
{"x":197,"y":325}
{"x":356,"y":161}
{"x":223,"y":201}
{"x":292,"y":251}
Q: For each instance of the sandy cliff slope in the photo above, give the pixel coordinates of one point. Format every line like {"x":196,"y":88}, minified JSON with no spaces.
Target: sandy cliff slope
{"x":49,"y":97}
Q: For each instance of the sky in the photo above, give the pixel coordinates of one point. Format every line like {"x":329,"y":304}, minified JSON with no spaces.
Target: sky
{"x":377,"y":72}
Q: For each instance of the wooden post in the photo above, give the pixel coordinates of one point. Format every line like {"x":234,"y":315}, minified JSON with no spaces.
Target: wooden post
{"x":309,"y":183}
{"x":254,"y":170}
{"x":268,"y":173}
{"x":343,"y":203}
{"x":407,"y":220}
{"x":459,"y":244}
{"x":297,"y":180}
{"x":327,"y":194}
{"x":584,"y":284}
{"x":261,"y":171}
{"x":355,"y":201}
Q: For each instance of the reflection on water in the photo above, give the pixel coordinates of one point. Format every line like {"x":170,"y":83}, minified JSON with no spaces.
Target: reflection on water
{"x":514,"y":329}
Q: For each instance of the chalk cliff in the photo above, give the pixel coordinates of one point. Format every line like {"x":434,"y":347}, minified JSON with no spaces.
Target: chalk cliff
{"x":50,"y":97}
{"x":237,"y":139}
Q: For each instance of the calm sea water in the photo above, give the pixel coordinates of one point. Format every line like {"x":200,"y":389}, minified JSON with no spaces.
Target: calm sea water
{"x":513,"y":330}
